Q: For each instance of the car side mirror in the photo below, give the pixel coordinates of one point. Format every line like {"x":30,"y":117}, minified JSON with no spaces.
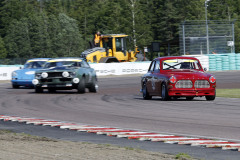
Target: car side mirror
{"x":205,"y":69}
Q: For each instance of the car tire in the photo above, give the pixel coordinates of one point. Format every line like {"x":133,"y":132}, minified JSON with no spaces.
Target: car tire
{"x":15,"y":86}
{"x":146,"y":95}
{"x":190,"y":98}
{"x":81,"y":86}
{"x":51,"y":90}
{"x":93,"y":86}
{"x":165,"y":96}
{"x":210,"y":98}
{"x":38,"y":90}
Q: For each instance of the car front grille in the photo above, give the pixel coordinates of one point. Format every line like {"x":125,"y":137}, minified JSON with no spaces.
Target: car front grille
{"x":201,"y":84}
{"x":184,"y":84}
{"x":54,"y":74}
{"x":65,"y":79}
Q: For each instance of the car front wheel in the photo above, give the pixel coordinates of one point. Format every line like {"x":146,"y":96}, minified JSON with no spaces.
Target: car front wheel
{"x":38,"y":90}
{"x":210,"y":98}
{"x":165,"y":96}
{"x":190,"y":98}
{"x":93,"y":87}
{"x":81,"y":86}
{"x":51,"y":90}
{"x":15,"y":86}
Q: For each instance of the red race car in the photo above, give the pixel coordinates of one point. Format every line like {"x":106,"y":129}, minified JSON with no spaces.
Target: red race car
{"x":178,"y":77}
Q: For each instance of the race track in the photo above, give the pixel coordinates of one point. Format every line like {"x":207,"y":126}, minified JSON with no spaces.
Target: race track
{"x":119,"y":104}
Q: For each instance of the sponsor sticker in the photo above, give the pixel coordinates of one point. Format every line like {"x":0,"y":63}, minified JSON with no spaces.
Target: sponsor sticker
{"x":3,"y":74}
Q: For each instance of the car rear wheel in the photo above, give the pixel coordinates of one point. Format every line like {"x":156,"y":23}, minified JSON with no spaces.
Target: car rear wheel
{"x":15,"y":86}
{"x":145,"y":92}
{"x":165,"y":96}
{"x":81,"y":86}
{"x":38,"y":90}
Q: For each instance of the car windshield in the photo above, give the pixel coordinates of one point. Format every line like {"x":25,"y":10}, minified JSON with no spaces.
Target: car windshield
{"x":51,"y":64}
{"x":171,"y":64}
{"x":34,"y":64}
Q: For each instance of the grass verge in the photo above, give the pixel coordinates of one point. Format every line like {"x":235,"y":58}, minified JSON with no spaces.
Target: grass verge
{"x":229,"y":93}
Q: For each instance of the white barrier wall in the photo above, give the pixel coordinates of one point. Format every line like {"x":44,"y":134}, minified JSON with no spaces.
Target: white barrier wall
{"x":103,"y":69}
{"x":6,"y":72}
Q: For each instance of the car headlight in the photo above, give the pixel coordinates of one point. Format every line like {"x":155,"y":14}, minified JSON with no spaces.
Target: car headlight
{"x":44,"y":75}
{"x":35,"y":81}
{"x":212,"y":79}
{"x":173,"y":79}
{"x":14,"y":74}
{"x":76,"y":80}
{"x":65,"y":74}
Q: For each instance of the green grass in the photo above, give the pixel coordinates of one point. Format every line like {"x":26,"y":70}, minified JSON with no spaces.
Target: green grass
{"x":229,"y":93}
{"x":183,"y":156}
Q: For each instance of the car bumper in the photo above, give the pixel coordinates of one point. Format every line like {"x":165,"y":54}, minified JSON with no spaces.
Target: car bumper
{"x":26,"y":83}
{"x":57,"y":84}
{"x":192,"y":92}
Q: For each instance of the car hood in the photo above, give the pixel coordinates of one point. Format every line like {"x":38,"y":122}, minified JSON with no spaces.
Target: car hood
{"x":26,"y":74}
{"x":57,"y":69}
{"x":191,"y":74}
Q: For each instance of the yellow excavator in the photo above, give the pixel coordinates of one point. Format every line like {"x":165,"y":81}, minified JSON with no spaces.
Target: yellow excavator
{"x":113,"y":48}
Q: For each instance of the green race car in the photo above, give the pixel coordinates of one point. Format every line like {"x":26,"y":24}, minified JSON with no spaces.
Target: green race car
{"x":65,"y":74}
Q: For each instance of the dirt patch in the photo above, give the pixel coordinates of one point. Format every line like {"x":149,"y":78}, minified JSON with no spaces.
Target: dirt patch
{"x":27,"y":147}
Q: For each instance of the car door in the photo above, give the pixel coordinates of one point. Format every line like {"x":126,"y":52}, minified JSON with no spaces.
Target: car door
{"x":149,"y":77}
{"x":156,"y":83}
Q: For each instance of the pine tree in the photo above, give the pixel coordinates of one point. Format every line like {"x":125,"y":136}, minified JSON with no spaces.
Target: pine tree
{"x":3,"y":51}
{"x":39,"y":35}
{"x":17,"y":39}
{"x":69,"y":38}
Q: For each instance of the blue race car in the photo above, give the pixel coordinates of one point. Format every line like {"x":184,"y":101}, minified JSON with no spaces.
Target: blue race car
{"x":24,"y":77}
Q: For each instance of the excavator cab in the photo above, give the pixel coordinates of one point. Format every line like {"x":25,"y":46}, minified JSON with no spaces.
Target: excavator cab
{"x":113,"y":48}
{"x":115,"y":44}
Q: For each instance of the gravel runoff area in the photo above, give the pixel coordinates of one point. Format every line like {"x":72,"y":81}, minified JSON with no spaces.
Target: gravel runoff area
{"x":21,"y":146}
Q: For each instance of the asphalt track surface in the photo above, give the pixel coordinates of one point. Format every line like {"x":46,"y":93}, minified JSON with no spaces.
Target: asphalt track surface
{"x":119,"y":104}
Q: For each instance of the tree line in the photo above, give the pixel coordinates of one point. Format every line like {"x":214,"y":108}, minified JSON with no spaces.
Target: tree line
{"x":59,"y":28}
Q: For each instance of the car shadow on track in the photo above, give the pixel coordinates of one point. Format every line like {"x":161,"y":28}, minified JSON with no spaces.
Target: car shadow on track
{"x":62,"y":92}
{"x":21,"y":87}
{"x":171,"y":100}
